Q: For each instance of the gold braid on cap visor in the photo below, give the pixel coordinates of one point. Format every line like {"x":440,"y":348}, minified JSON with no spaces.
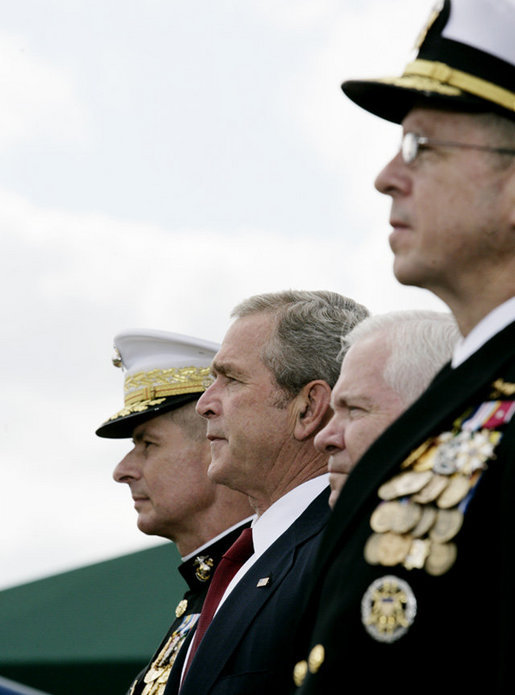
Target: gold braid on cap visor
{"x":440,"y":78}
{"x":146,"y":389}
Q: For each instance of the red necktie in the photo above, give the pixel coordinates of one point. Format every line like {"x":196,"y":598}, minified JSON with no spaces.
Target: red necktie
{"x":230,"y":563}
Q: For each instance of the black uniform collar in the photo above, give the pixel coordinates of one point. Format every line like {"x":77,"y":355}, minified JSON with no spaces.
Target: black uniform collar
{"x":198,"y":569}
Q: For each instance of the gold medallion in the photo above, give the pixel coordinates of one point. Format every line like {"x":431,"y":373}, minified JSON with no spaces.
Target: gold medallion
{"x":417,"y":453}
{"x":447,"y":524}
{"x":425,"y":462}
{"x":382,"y":518}
{"x":408,"y":515}
{"x":441,"y":558}
{"x":432,"y":490}
{"x":454,"y":492}
{"x":404,"y":484}
{"x":392,"y":548}
{"x":427,"y":520}
{"x":371,"y":546}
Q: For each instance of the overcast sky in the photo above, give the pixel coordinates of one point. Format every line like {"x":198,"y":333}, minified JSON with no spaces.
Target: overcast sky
{"x":161,"y":160}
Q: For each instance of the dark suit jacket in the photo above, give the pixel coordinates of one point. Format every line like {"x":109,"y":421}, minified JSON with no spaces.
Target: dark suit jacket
{"x":462,"y":636}
{"x":247,"y":648}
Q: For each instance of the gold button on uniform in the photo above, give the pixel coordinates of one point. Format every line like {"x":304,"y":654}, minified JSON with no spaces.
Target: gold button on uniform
{"x":181,"y":608}
{"x":316,"y":658}
{"x":299,"y":672}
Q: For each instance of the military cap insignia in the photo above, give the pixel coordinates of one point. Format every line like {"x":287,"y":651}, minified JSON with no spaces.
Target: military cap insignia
{"x":422,"y":508}
{"x":203,"y":565}
{"x":388,"y":608}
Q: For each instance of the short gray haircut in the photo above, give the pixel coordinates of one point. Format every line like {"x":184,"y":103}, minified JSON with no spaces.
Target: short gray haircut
{"x":420,"y":342}
{"x":501,"y":132}
{"x":308,"y":330}
{"x":192,"y":424}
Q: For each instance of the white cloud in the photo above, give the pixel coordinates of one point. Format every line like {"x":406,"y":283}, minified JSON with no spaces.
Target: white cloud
{"x":72,"y":278}
{"x":77,"y":279}
{"x":38,"y":99}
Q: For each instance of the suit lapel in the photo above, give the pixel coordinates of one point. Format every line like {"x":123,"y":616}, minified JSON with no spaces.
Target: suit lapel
{"x":444,"y":400}
{"x":218,"y":645}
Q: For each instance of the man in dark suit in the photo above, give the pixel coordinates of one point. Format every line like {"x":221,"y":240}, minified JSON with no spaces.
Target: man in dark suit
{"x":414,"y":581}
{"x":166,"y":471}
{"x":272,"y":384}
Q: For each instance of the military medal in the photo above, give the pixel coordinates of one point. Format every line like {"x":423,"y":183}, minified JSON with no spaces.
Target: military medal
{"x":426,"y":522}
{"x":432,"y":490}
{"x":404,"y":484}
{"x":408,"y":516}
{"x":441,"y":558}
{"x":371,"y":549}
{"x":447,"y":524}
{"x":156,"y":677}
{"x":388,"y":608}
{"x":422,"y":508}
{"x":381,"y":519}
{"x":454,"y":492}
{"x":392,"y":548}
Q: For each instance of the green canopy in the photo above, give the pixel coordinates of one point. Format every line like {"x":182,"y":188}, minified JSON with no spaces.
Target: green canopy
{"x":92,"y":629}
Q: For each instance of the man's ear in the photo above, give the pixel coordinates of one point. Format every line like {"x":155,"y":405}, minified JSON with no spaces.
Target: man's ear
{"x":312,"y":404}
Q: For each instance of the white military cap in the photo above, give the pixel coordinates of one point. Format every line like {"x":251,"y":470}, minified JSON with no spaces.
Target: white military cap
{"x":163,"y":371}
{"x":465,"y":60}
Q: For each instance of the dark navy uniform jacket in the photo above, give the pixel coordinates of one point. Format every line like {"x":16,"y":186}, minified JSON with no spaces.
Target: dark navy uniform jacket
{"x":454,"y":629}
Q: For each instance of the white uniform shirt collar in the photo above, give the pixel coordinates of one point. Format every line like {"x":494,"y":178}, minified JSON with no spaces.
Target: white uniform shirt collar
{"x":492,"y":324}
{"x":217,"y":538}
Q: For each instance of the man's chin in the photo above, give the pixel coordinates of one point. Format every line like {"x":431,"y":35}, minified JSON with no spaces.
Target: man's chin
{"x":219,"y":472}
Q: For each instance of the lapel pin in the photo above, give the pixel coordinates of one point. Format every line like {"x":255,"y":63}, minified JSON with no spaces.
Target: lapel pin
{"x":264,"y":581}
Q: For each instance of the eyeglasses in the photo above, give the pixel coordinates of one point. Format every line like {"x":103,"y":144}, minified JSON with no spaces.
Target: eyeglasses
{"x":411,"y":144}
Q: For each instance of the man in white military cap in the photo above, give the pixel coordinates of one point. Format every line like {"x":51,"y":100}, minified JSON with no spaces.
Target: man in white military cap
{"x":414,"y":584}
{"x":165,"y":374}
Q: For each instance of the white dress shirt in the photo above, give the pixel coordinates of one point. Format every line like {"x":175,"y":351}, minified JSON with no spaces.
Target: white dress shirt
{"x":492,"y":324}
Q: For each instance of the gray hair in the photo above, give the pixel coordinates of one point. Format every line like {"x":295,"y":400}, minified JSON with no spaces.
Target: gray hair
{"x":306,"y":342}
{"x":501,"y":132}
{"x":420,"y":342}
{"x":192,"y":424}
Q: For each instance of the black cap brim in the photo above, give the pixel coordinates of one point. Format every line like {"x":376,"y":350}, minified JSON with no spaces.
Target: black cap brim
{"x":123,"y":427}
{"x":393,"y":99}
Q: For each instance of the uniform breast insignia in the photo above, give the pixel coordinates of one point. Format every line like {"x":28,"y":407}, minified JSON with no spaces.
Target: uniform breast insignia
{"x":388,"y":608}
{"x":157,"y":675}
{"x":203,"y":566}
{"x":422,"y":508}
